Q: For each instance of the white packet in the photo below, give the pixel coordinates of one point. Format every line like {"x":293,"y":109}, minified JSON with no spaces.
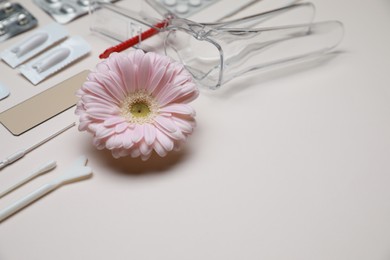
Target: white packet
{"x":55,"y":59}
{"x":35,"y":43}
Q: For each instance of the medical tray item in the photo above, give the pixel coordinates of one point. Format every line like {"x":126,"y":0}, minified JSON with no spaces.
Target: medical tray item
{"x":77,"y":172}
{"x":22,"y":152}
{"x":14,"y":19}
{"x":34,"y":44}
{"x":55,"y":59}
{"x":4,"y":91}
{"x":43,"y":106}
{"x":35,"y":173}
{"x":65,"y":11}
{"x":215,"y":53}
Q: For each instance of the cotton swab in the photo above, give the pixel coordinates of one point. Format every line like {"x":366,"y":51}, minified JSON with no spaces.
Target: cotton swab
{"x":39,"y":171}
{"x":76,"y":172}
{"x":19,"y":154}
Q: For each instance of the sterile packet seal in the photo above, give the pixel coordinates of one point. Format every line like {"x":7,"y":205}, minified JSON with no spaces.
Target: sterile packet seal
{"x":34,"y":44}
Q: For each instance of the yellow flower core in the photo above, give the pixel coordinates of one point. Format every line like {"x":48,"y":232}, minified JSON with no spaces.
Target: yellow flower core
{"x":139,"y":107}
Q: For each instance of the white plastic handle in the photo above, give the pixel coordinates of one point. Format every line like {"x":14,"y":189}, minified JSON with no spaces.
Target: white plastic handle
{"x":42,"y":169}
{"x":18,"y":205}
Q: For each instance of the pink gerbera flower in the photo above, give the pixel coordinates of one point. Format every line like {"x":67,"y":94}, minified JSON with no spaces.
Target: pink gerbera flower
{"x":136,"y":104}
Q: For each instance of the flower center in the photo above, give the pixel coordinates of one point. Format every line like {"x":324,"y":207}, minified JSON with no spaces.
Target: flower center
{"x":139,"y":107}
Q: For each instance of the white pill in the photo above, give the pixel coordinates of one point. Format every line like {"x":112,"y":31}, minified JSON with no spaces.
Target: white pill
{"x":170,"y":2}
{"x":182,"y":9}
{"x":195,"y":2}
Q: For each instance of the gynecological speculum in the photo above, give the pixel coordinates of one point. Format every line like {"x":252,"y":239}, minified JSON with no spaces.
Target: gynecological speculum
{"x":215,"y":53}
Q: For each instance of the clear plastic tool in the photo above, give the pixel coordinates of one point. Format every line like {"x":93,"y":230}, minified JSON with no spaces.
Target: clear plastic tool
{"x":78,"y":171}
{"x":215,"y":53}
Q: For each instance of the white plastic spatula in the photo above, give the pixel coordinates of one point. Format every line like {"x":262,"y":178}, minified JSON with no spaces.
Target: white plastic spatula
{"x":78,"y":171}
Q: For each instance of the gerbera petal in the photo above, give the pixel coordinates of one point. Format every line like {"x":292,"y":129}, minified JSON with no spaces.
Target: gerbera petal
{"x":98,"y":90}
{"x":102,"y":67}
{"x":112,"y":121}
{"x":166,"y":123}
{"x":137,"y":133}
{"x":162,"y":85}
{"x":182,"y":109}
{"x":98,"y":143}
{"x":112,"y":88}
{"x":169,"y":96}
{"x":129,"y":77}
{"x":150,"y":133}
{"x":145,"y":149}
{"x":118,"y":81}
{"x":164,"y":140}
{"x":119,"y":128}
{"x":143,"y":72}
{"x":102,"y":132}
{"x":135,"y":153}
{"x":127,"y":140}
{"x":184,"y":125}
{"x":159,"y":149}
{"x":137,"y":56}
{"x":177,"y":136}
{"x":146,"y":157}
{"x":156,"y":78}
{"x":99,"y":112}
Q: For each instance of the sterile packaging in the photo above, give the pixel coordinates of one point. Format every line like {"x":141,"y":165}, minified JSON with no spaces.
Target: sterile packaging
{"x":65,"y":11}
{"x":34,"y":44}
{"x":14,"y":19}
{"x":186,"y":8}
{"x":55,"y":59}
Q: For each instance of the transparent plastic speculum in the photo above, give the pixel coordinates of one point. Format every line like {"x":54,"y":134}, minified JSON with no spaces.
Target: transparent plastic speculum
{"x":215,"y":53}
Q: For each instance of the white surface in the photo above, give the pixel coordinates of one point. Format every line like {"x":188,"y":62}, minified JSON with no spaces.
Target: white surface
{"x":288,"y":164}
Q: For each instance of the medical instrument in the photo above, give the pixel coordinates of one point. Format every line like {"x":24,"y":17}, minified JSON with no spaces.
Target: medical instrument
{"x":14,"y":19}
{"x":55,"y":59}
{"x":215,"y":53}
{"x":77,"y":171}
{"x":19,"y":154}
{"x":35,"y":173}
{"x":35,"y":43}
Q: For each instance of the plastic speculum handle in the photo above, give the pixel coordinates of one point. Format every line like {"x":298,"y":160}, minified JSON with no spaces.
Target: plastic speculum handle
{"x":215,"y":53}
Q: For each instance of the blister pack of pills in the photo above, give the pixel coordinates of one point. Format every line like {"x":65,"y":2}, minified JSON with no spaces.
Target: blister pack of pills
{"x":65,"y":11}
{"x":55,"y":59}
{"x":185,"y":8}
{"x":33,"y":44}
{"x":14,"y":19}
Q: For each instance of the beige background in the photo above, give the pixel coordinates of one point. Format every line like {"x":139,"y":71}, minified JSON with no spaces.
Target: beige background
{"x":289,"y":164}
